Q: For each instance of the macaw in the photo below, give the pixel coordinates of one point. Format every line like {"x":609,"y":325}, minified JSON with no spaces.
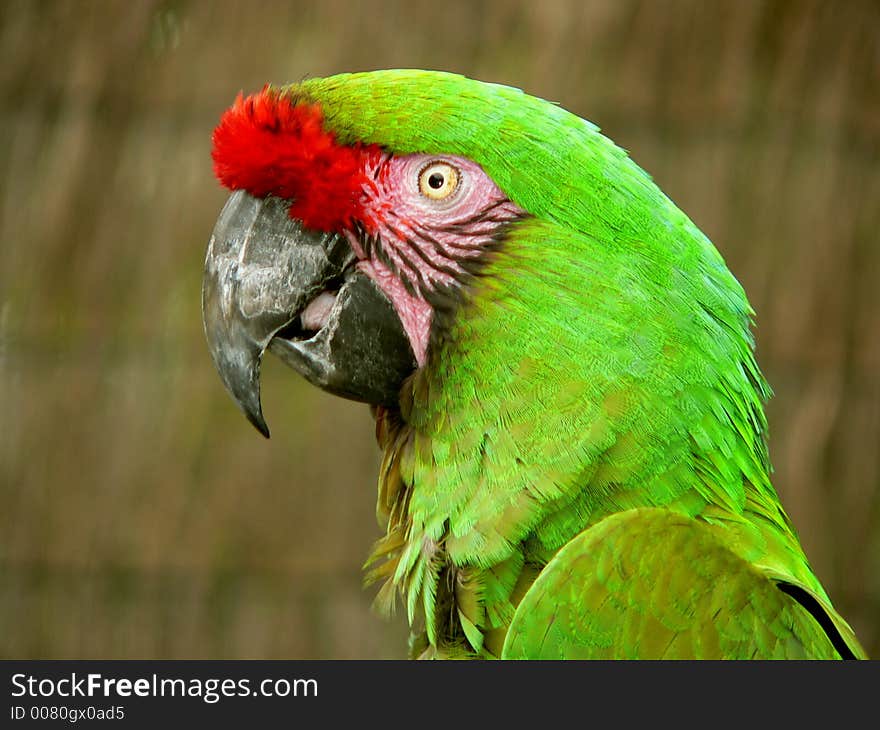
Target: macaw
{"x":559,"y":362}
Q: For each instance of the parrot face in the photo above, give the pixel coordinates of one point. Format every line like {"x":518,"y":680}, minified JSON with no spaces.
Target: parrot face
{"x":426,"y":222}
{"x":417,"y":226}
{"x":574,"y":444}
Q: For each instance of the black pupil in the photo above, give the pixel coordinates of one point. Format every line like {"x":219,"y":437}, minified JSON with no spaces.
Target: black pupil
{"x":436,"y":180}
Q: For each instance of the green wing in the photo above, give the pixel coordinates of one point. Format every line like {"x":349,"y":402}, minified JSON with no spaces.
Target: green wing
{"x":654,"y":584}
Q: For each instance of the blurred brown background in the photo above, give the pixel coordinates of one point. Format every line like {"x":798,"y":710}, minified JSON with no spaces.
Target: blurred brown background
{"x":140,"y":514}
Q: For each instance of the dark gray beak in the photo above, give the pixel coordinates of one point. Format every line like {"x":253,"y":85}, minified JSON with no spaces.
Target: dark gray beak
{"x":263,"y":271}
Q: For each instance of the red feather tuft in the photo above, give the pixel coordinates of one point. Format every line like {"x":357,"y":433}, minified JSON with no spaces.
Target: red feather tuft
{"x":268,"y":145}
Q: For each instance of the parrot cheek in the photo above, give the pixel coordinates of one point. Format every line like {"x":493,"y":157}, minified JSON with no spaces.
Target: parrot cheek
{"x":271,"y":284}
{"x":415,"y":314}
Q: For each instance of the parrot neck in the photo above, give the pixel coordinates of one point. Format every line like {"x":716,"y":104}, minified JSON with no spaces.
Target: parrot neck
{"x":578,"y":380}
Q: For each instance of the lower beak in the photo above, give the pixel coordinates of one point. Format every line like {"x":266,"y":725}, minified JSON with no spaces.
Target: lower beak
{"x":271,"y":284}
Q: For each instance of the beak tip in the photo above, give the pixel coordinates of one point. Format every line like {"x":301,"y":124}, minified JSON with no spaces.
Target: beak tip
{"x":243,"y":385}
{"x":259,"y":423}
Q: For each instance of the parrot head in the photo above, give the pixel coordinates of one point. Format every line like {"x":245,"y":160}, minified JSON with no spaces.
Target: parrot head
{"x":343,"y":255}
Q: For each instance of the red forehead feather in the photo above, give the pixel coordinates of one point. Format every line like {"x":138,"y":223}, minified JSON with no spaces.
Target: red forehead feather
{"x":268,"y":145}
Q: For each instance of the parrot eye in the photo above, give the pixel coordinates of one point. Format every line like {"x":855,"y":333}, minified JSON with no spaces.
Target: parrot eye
{"x":438,"y":180}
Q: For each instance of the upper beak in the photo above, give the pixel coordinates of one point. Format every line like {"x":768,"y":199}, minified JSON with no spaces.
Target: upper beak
{"x":262,"y":271}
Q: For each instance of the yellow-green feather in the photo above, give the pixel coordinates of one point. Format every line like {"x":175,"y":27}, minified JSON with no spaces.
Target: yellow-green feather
{"x":652,"y":584}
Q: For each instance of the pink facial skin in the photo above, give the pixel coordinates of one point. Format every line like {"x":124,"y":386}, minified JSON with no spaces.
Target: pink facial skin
{"x":416,"y":244}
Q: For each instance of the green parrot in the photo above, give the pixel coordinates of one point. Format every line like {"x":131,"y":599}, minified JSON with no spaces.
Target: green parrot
{"x":559,"y":363}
